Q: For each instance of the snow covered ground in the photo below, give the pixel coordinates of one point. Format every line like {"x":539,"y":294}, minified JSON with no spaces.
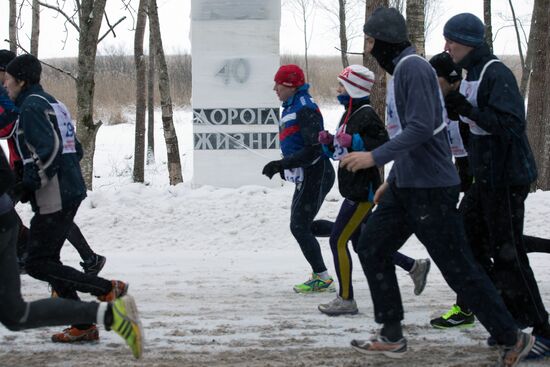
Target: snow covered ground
{"x":212,"y":270}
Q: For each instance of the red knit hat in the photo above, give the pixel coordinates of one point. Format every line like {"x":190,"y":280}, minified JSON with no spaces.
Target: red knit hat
{"x":290,"y":76}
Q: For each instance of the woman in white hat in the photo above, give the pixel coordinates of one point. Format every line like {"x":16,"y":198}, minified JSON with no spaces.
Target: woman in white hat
{"x":360,"y":129}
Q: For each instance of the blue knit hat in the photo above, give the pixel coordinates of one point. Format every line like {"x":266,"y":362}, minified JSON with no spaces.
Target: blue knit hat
{"x":466,"y":29}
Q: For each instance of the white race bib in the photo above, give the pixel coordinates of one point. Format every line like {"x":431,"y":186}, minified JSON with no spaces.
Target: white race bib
{"x":65,"y":125}
{"x":339,"y":151}
{"x":393,"y":122}
{"x":295,"y":175}
{"x":455,"y":139}
{"x":469,"y":90}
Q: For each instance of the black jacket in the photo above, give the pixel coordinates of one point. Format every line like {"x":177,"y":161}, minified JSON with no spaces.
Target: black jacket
{"x":365,"y":122}
{"x":62,"y":183}
{"x":504,"y":157}
{"x":7,"y":214}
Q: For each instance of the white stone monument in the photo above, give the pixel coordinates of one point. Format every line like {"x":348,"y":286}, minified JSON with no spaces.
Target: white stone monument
{"x":235,"y":53}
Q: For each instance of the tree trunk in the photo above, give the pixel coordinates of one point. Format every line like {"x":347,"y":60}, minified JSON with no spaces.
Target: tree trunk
{"x":35,"y":31}
{"x":13,"y":26}
{"x":526,"y":73}
{"x":415,"y":23}
{"x":488,"y":23}
{"x":139,"y":60}
{"x":520,"y":48}
{"x":172,"y":149}
{"x":151,"y":102}
{"x":90,"y":19}
{"x":538,"y":110}
{"x":304,"y":18}
{"x":378,"y":94}
{"x":343,"y":33}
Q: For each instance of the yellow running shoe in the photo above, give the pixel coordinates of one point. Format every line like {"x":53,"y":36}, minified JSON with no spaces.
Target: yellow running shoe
{"x":126,"y":323}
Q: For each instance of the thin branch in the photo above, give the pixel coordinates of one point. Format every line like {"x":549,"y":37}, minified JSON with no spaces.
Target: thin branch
{"x":500,"y":29}
{"x":522,"y":59}
{"x":351,"y":53}
{"x":111,"y":29}
{"x":109,"y":24}
{"x":60,"y":11}
{"x":43,"y":62}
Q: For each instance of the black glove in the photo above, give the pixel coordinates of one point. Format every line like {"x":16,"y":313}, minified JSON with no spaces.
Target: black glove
{"x":18,"y":193}
{"x":272,"y":168}
{"x":456,"y":104}
{"x":31,"y":178}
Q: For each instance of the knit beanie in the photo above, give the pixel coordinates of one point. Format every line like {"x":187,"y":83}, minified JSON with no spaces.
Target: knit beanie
{"x":290,"y":76}
{"x":26,"y":68}
{"x":466,"y":29}
{"x":388,"y":25}
{"x":357,"y":80}
{"x":5,"y":57}
{"x":446,"y":68}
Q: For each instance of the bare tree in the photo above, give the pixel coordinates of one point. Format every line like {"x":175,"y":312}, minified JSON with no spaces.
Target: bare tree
{"x":526,"y":73}
{"x":151,"y":102}
{"x":378,"y":95}
{"x":340,"y":13}
{"x":488,"y":23}
{"x":415,"y":24}
{"x":305,"y":10}
{"x":431,"y":11}
{"x":172,"y":149}
{"x":343,"y":33}
{"x":86,"y":19}
{"x":139,"y":60}
{"x":13,"y":26}
{"x":538,"y":108}
{"x":398,"y":4}
{"x":520,"y":48}
{"x":347,"y":20}
{"x":35,"y":31}
{"x":432,"y":16}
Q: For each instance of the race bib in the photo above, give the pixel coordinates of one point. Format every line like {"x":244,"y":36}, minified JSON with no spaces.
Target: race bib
{"x":295,"y":175}
{"x":339,"y":151}
{"x":66,"y":127}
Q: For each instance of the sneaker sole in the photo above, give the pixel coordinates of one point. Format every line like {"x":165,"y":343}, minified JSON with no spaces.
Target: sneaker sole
{"x":522,"y":356}
{"x":461,"y":326}
{"x":322,"y":290}
{"x":72,"y":340}
{"x":424,"y":281}
{"x":132,"y":314}
{"x":79,"y":341}
{"x":337,"y":313}
{"x":395,"y":355}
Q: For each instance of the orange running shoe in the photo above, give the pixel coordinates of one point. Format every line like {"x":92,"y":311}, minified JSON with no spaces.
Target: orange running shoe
{"x":119,"y":289}
{"x":74,"y":335}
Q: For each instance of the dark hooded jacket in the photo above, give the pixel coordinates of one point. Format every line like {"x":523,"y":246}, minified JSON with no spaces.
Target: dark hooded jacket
{"x":504,"y":157}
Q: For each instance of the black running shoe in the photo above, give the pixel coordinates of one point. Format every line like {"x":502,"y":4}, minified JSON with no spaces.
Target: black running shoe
{"x":94,"y":264}
{"x":454,"y":318}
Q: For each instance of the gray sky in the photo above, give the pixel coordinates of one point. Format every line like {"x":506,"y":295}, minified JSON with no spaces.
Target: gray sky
{"x":174,"y":17}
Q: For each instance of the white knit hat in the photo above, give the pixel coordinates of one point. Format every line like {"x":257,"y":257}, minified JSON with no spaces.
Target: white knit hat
{"x":357,"y":80}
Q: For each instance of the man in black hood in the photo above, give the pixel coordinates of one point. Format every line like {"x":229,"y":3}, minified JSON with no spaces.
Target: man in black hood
{"x":419,"y":197}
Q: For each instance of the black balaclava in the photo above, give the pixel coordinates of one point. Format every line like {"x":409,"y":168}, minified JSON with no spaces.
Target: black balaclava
{"x":385,"y":53}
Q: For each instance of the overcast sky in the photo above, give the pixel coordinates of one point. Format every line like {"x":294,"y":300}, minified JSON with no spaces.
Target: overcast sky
{"x":175,"y":23}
